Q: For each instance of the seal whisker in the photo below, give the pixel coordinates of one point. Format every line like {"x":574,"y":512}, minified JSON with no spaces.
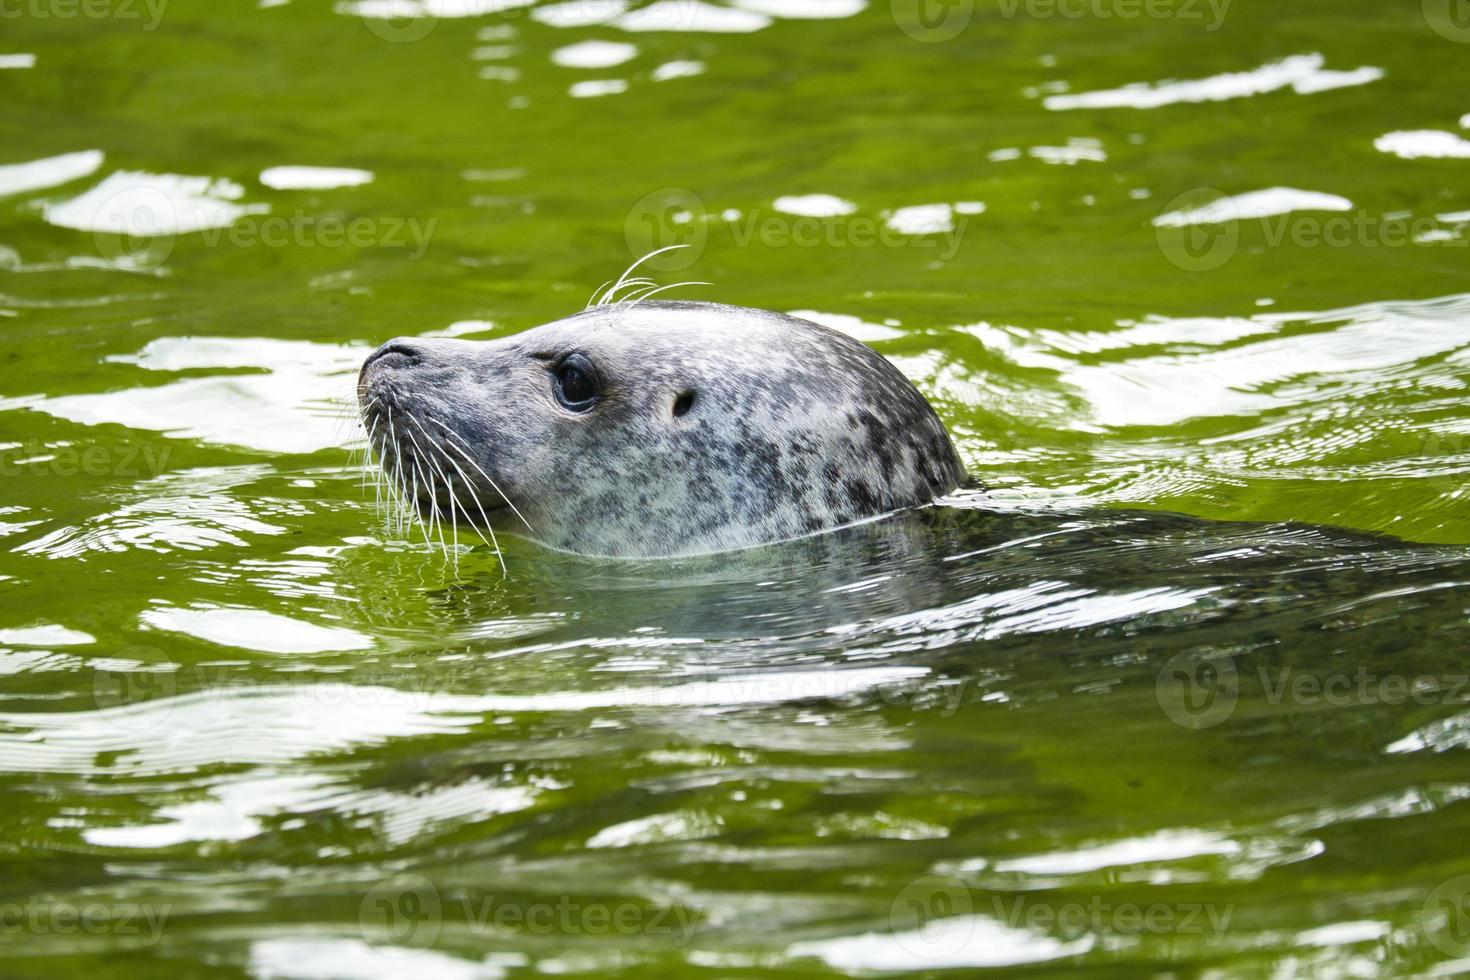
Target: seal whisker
{"x":413,"y":502}
{"x":432,"y":524}
{"x":592,"y":300}
{"x":377,"y":471}
{"x":623,"y":279}
{"x":494,"y":542}
{"x":396,"y":483}
{"x":372,"y":430}
{"x":610,"y":297}
{"x":430,"y":461}
{"x":633,"y":301}
{"x":464,"y":450}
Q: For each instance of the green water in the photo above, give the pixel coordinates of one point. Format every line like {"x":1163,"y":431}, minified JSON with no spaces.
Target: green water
{"x":1047,"y":728}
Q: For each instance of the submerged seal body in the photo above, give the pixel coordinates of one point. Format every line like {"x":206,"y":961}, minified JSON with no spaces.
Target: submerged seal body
{"x":655,"y":429}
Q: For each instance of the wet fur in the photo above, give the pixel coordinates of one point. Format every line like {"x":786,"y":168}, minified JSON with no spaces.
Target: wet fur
{"x":795,"y":428}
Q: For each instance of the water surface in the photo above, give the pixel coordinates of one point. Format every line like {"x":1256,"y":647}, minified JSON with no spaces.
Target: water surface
{"x":1180,"y":691}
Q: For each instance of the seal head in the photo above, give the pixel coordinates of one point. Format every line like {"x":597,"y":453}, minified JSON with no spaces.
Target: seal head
{"x":654,"y":430}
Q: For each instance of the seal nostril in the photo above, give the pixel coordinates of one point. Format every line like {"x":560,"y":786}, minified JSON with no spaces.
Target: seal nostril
{"x":398,"y":352}
{"x":683,"y":403}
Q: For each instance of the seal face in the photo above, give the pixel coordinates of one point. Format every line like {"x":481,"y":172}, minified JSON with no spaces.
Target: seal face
{"x":655,"y":429}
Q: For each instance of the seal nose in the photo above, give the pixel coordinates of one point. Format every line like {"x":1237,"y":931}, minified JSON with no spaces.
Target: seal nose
{"x":396,"y":353}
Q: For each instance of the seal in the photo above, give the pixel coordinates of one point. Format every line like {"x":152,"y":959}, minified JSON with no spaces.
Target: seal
{"x":653,"y":429}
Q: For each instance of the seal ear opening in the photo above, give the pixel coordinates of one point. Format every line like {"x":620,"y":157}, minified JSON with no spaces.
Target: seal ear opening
{"x":683,"y":403}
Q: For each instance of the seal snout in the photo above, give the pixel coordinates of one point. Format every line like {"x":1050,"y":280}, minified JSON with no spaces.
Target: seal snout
{"x":396,"y":353}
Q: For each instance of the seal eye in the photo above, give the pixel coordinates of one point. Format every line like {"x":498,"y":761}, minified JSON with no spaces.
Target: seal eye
{"x":576,"y":383}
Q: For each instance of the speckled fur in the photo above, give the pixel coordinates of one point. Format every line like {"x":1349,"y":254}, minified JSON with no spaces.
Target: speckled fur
{"x":794,"y":428}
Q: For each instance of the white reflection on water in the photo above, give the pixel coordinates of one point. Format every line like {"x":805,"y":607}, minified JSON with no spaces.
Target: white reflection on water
{"x":236,"y":805}
{"x":46,"y":635}
{"x":1303,"y":73}
{"x":141,"y":205}
{"x":694,"y":16}
{"x":1256,"y":204}
{"x":18,"y":178}
{"x":1165,"y":846}
{"x":290,"y":403}
{"x":594,"y":54}
{"x":855,"y":327}
{"x":314,"y":178}
{"x":658,"y":828}
{"x":805,"y":9}
{"x":944,"y":944}
{"x":223,"y":725}
{"x":592,"y":88}
{"x":677,"y":69}
{"x":408,"y":9}
{"x":1421,"y":143}
{"x":930,"y":219}
{"x":185,"y":511}
{"x":579,"y":13}
{"x":814,"y":205}
{"x":1238,"y":366}
{"x":330,"y":958}
{"x":255,"y":629}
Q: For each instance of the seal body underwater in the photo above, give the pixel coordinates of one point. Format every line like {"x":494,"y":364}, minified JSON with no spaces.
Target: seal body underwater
{"x":654,"y":429}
